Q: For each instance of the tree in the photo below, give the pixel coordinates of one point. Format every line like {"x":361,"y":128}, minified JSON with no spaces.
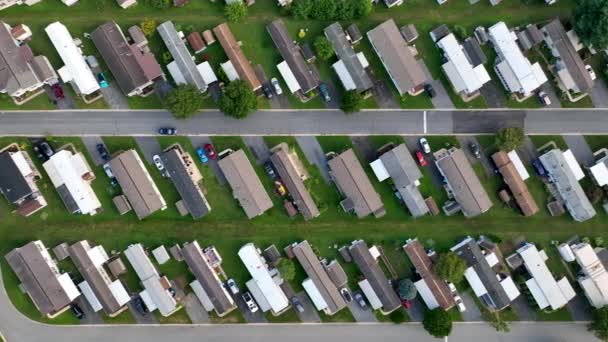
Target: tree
{"x":324,"y":9}
{"x":159,"y":4}
{"x":437,"y":322}
{"x":351,"y":101}
{"x":287,"y":269}
{"x":591,"y":22}
{"x":148,"y":26}
{"x":510,"y":138}
{"x":406,"y":289}
{"x":184,"y":101}
{"x":460,"y":31}
{"x":599,"y":323}
{"x":235,"y":12}
{"x":450,"y":267}
{"x":301,"y":9}
{"x":323,"y":48}
{"x":238,"y":100}
{"x":362,"y":8}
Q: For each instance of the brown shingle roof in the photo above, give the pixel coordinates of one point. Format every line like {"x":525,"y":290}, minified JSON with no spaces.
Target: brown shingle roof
{"x":234,"y":52}
{"x":518,"y":187}
{"x":196,"y":42}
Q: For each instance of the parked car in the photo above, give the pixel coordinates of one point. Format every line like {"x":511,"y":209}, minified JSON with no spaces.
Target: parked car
{"x":200,"y":152}
{"x":232,"y":286}
{"x":430,"y":91}
{"x":158,"y":162}
{"x":253,"y":307}
{"x":77,"y":311}
{"x":591,"y":72}
{"x":267,"y":91}
{"x":324,"y":91}
{"x":420,"y":158}
{"x":167,"y":131}
{"x":280,"y":188}
{"x":108,"y":170}
{"x":460,"y":304}
{"x":210,"y":151}
{"x":295,"y":301}
{"x":44,"y":150}
{"x":452,"y":288}
{"x":346,"y":294}
{"x":270,"y":170}
{"x":424,"y":144}
{"x":92,"y":61}
{"x":103,"y":152}
{"x":539,"y":168}
{"x":58,"y":91}
{"x":139,"y":305}
{"x":359,"y":299}
{"x":406,"y":303}
{"x":276,"y":85}
{"x":544,"y":98}
{"x":101,"y":78}
{"x":475,"y":150}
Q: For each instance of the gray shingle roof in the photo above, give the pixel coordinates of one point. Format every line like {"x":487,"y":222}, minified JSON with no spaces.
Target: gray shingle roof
{"x":16,"y":73}
{"x":12,"y":183}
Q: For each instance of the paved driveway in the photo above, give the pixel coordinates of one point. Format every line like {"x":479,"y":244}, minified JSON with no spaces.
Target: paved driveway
{"x":528,"y":151}
{"x":361,"y":314}
{"x":149,"y":147}
{"x":195,"y":309}
{"x":250,"y":317}
{"x":114,"y":97}
{"x":310,"y":314}
{"x":581,"y":150}
{"x":66,"y":103}
{"x":201,"y":140}
{"x":412,"y":144}
{"x":314,"y":153}
{"x":548,"y":88}
{"x":416,"y":311}
{"x":91,"y":144}
{"x":493,"y":95}
{"x":364,"y":148}
{"x":522,"y":309}
{"x":472,"y":312}
{"x":599,"y":94}
{"x":147,"y":318}
{"x":580,"y":309}
{"x":465,"y":142}
{"x":441,"y":99}
{"x":90,"y":316}
{"x":258,"y":148}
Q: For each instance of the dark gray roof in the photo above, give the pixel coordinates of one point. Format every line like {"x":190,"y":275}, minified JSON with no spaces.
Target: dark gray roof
{"x":409,"y":32}
{"x":13,"y":184}
{"x":348,"y":56}
{"x":354,"y":33}
{"x":193,"y":255}
{"x":439,"y":32}
{"x":470,"y":252}
{"x":307,"y":52}
{"x":568,"y":57}
{"x":474,"y":52}
{"x":15,"y":71}
{"x":294,"y":184}
{"x":67,"y":198}
{"x":375,"y":276}
{"x":290,"y":52}
{"x":181,"y":55}
{"x":405,"y":173}
{"x":189,"y":191}
{"x":132,"y":68}
{"x":38,"y":279}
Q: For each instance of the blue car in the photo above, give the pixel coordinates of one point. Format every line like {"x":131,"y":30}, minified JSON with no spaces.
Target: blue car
{"x":201,"y":155}
{"x":539,"y":168}
{"x":102,"y":80}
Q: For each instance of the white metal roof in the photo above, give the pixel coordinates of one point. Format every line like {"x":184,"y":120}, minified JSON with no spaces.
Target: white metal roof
{"x":98,"y":256}
{"x":259,"y":272}
{"x":176,"y":74}
{"x":509,"y":286}
{"x":288,"y":77}
{"x":314,"y":294}
{"x":207,"y":72}
{"x":140,"y":262}
{"x":161,"y":255}
{"x":474,"y":281}
{"x":542,"y":277}
{"x":347,"y":81}
{"x":537,"y":293}
{"x":566,"y":252}
{"x":528,"y":77}
{"x":68,"y":286}
{"x":426,"y":294}
{"x":230,"y":71}
{"x":90,"y":296}
{"x":519,"y":166}
{"x":599,"y":172}
{"x":21,"y":162}
{"x":65,"y":168}
{"x":592,"y":292}
{"x":574,"y":165}
{"x":379,"y":170}
{"x":258,"y":295}
{"x":566,"y":288}
{"x":369,"y":293}
{"x":162,"y":298}
{"x":458,"y":68}
{"x":202,"y":296}
{"x":362,"y":60}
{"x":145,"y":296}
{"x":492,"y":259}
{"x":119,"y":292}
{"x":80,"y":74}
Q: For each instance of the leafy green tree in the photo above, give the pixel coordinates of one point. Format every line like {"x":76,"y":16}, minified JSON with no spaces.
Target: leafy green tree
{"x":351,"y":101}
{"x":362,"y":8}
{"x":301,"y":9}
{"x":238,"y":100}
{"x":599,"y":323}
{"x":323,"y":48}
{"x":437,"y":322}
{"x":235,"y":12}
{"x":184,"y":101}
{"x":510,"y":138}
{"x":324,"y":9}
{"x":159,"y":4}
{"x":450,"y":267}
{"x":460,"y":31}
{"x":287,"y":269}
{"x":148,"y":26}
{"x":406,"y":289}
{"x":591,"y":22}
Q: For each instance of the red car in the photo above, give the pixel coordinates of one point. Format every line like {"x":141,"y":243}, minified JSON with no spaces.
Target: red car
{"x":420,"y":157}
{"x":58,"y":91}
{"x":210,"y":151}
{"x":406,"y":303}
